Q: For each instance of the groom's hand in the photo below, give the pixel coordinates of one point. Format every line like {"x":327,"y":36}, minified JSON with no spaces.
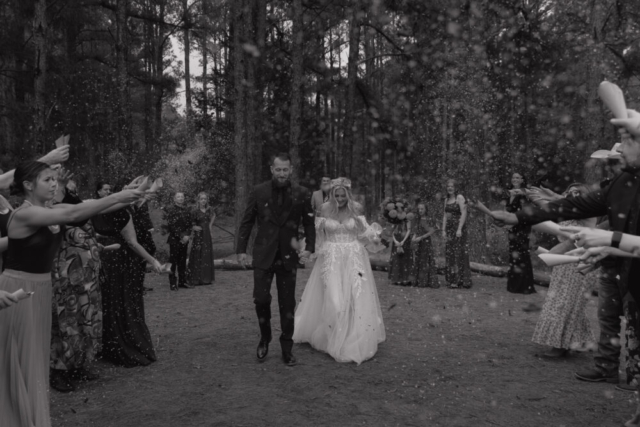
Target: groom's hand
{"x":304,"y":256}
{"x":242,"y":260}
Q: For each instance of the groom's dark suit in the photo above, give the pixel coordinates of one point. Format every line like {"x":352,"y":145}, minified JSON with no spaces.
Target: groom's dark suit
{"x":278,"y":212}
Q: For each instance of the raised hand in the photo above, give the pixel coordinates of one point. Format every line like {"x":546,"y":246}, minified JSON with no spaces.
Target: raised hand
{"x":128,"y":196}
{"x":59,"y":155}
{"x":589,"y":237}
{"x":64,"y":176}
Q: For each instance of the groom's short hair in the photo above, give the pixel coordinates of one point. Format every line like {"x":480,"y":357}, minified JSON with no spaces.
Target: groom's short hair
{"x":282,"y":156}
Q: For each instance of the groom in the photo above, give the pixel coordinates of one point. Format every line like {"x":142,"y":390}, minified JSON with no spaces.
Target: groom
{"x":279,"y":206}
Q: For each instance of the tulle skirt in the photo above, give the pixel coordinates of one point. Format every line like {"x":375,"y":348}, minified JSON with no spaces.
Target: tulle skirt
{"x":25,"y":339}
{"x":340,"y":311}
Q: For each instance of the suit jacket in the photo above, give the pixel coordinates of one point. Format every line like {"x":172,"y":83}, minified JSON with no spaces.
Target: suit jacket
{"x":317,"y":199}
{"x":618,"y":201}
{"x":178,"y":223}
{"x":276,"y":231}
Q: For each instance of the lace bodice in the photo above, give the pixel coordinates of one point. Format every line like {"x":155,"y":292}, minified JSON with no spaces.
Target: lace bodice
{"x":337,"y":232}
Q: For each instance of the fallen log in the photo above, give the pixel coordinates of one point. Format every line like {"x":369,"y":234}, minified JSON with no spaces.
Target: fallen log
{"x":540,"y":278}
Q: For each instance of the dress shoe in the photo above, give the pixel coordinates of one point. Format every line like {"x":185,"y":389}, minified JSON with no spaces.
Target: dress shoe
{"x":173,"y":287}
{"x":263,"y":349}
{"x":556,"y":353}
{"x":186,"y":286}
{"x":289,"y":359}
{"x":596,"y":375}
{"x":59,"y":380}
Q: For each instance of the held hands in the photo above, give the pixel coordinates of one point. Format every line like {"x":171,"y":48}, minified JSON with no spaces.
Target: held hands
{"x":589,"y":237}
{"x":592,"y":255}
{"x":7,"y":299}
{"x":157,"y":267}
{"x":304,"y":256}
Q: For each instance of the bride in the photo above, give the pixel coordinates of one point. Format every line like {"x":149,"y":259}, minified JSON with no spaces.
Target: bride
{"x":340,"y":312}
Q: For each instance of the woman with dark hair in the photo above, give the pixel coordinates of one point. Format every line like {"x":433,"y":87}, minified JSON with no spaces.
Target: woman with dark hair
{"x":563,"y":323}
{"x":520,"y":275}
{"x":424,"y":266}
{"x":454,"y":232}
{"x":201,"y":257}
{"x":35,"y":234}
{"x":126,"y":340}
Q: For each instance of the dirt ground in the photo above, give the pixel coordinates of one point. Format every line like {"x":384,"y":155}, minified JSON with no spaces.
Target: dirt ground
{"x":452,"y":358}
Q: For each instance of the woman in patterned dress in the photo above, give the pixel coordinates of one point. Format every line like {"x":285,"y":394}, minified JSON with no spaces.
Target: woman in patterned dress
{"x":563,"y":323}
{"x":454,"y":232}
{"x":424,"y":265}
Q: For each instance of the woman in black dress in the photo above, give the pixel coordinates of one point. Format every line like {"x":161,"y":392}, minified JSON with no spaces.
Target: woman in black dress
{"x":520,"y":276}
{"x":454,"y":231}
{"x":126,"y":340}
{"x":201,"y":256}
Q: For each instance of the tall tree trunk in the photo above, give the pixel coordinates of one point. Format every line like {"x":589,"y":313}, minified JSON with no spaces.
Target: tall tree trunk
{"x":187,"y":65}
{"x":241,"y":149}
{"x":259,"y":89}
{"x":40,"y":28}
{"x":352,"y":75}
{"x":123,"y":131}
{"x":295,"y":125}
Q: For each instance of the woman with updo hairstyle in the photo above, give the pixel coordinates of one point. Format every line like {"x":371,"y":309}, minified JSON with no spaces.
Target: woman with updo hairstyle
{"x":340,"y":312}
{"x":454,"y":232}
{"x":200,"y":269}
{"x":35,"y":232}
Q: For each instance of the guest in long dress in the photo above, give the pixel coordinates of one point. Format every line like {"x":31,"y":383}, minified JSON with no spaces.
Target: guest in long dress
{"x":563,"y":323}
{"x":424,"y":265}
{"x":126,"y":340}
{"x":454,"y":232}
{"x":76,"y":334}
{"x":201,"y":270}
{"x":179,"y":226}
{"x":400,"y":262}
{"x":520,"y":275}
{"x":35,"y":234}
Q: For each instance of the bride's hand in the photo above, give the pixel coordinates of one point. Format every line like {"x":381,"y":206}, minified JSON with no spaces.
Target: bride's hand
{"x":304,"y":256}
{"x":157,"y":267}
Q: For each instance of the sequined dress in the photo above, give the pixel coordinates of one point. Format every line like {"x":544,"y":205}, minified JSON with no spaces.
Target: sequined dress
{"x":340,"y":311}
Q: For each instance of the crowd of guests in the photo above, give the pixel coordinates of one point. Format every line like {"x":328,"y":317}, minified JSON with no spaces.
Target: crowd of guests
{"x":72,"y":282}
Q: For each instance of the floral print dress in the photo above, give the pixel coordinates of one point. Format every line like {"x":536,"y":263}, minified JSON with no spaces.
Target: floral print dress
{"x":77,"y":307}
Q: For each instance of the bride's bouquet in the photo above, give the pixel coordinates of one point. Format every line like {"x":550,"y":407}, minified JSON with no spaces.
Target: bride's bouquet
{"x":396,"y":211}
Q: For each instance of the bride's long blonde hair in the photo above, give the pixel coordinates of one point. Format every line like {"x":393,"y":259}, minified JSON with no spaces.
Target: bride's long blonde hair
{"x":352,"y":206}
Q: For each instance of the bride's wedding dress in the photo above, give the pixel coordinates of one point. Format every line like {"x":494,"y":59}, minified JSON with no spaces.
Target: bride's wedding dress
{"x":340,"y":311}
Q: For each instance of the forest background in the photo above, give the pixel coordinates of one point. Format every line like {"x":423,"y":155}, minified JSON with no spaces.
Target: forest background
{"x":398,"y":95}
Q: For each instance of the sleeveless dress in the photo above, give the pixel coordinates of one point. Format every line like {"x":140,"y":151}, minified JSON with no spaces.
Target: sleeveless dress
{"x":456,"y":253}
{"x":520,"y":275}
{"x":340,"y":312}
{"x":126,"y":340}
{"x":400,"y":263}
{"x":425,"y":274}
{"x":25,"y":330}
{"x":201,"y":256}
{"x":563,"y":322}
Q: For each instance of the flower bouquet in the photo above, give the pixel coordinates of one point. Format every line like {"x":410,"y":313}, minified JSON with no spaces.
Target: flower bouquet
{"x":396,"y":211}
